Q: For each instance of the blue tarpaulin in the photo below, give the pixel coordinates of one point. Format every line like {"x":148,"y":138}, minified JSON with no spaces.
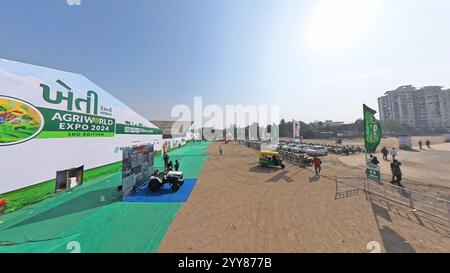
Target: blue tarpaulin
{"x":165,"y":194}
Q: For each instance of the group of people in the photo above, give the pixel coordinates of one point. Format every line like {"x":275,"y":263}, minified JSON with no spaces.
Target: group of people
{"x":168,"y":165}
{"x":428,"y":143}
{"x":395,"y":164}
{"x":385,"y":153}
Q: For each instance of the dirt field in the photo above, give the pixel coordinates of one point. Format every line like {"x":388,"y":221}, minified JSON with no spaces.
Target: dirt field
{"x":238,"y":206}
{"x":423,"y":170}
{"x":389,"y":142}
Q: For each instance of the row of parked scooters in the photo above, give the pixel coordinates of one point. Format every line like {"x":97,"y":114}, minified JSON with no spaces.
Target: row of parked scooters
{"x":296,"y":158}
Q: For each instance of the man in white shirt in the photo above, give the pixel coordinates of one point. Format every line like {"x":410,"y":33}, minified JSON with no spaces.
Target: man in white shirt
{"x":393,"y":153}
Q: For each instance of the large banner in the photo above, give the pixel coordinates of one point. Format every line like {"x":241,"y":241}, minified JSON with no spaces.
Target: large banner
{"x":137,"y":167}
{"x":372,"y":130}
{"x":52,"y":120}
{"x":372,"y":138}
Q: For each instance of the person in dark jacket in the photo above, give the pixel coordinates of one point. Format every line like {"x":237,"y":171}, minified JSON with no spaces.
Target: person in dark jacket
{"x":385,"y":153}
{"x":420,"y":144}
{"x":177,"y":165}
{"x":396,"y":172}
{"x":170,"y":166}
{"x":166,"y":160}
{"x":428,"y":143}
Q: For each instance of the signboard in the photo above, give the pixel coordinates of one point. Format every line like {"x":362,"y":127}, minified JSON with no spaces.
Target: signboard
{"x":137,"y":167}
{"x":373,"y":172}
{"x":136,"y":130}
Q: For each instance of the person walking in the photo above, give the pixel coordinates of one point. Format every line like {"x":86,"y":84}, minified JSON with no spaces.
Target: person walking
{"x":396,"y":173}
{"x":221,"y":149}
{"x":385,"y":153}
{"x":170,"y":166}
{"x":177,"y":165}
{"x":166,"y":160}
{"x":428,"y":143}
{"x":317,"y":165}
{"x":393,"y":153}
{"x":420,"y":144}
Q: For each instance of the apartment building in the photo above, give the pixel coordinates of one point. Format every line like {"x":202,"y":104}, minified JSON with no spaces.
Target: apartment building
{"x":426,"y":108}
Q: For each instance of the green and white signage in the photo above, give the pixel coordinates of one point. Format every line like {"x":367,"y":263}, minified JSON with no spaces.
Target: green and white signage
{"x":373,"y":172}
{"x":372,"y":138}
{"x":52,"y":120}
{"x":372,"y":130}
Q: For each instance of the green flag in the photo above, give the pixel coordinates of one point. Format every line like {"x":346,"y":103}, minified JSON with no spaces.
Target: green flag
{"x":372,"y":130}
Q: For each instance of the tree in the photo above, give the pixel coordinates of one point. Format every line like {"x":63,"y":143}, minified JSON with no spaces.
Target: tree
{"x":306,"y":130}
{"x":283,"y":128}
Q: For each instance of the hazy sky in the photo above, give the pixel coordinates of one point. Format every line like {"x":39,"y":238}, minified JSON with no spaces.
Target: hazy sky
{"x":317,"y":59}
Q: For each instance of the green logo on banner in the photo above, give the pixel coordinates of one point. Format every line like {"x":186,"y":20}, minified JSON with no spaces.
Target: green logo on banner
{"x":19,"y":121}
{"x":372,"y":130}
{"x":90,"y":102}
{"x":63,"y":124}
{"x":136,"y":130}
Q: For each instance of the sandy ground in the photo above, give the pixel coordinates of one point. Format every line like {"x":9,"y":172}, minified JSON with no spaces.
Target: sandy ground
{"x":388,"y":142}
{"x":424,"y":170}
{"x":238,"y":206}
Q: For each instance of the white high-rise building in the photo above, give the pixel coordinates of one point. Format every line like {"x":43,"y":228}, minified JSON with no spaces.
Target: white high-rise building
{"x":425,"y":108}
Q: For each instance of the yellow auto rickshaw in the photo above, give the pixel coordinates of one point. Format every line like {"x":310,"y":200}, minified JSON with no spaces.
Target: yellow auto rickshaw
{"x":270,"y":158}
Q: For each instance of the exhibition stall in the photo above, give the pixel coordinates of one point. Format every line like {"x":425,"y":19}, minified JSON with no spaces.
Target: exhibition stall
{"x":59,"y":130}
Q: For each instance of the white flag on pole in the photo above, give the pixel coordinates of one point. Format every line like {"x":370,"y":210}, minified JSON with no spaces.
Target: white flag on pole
{"x":296,"y":129}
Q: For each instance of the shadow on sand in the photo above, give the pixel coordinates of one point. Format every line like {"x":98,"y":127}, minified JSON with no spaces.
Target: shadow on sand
{"x":314,"y":178}
{"x":425,"y":220}
{"x":394,"y":242}
{"x":261,"y":169}
{"x":384,"y":209}
{"x":280,"y":176}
